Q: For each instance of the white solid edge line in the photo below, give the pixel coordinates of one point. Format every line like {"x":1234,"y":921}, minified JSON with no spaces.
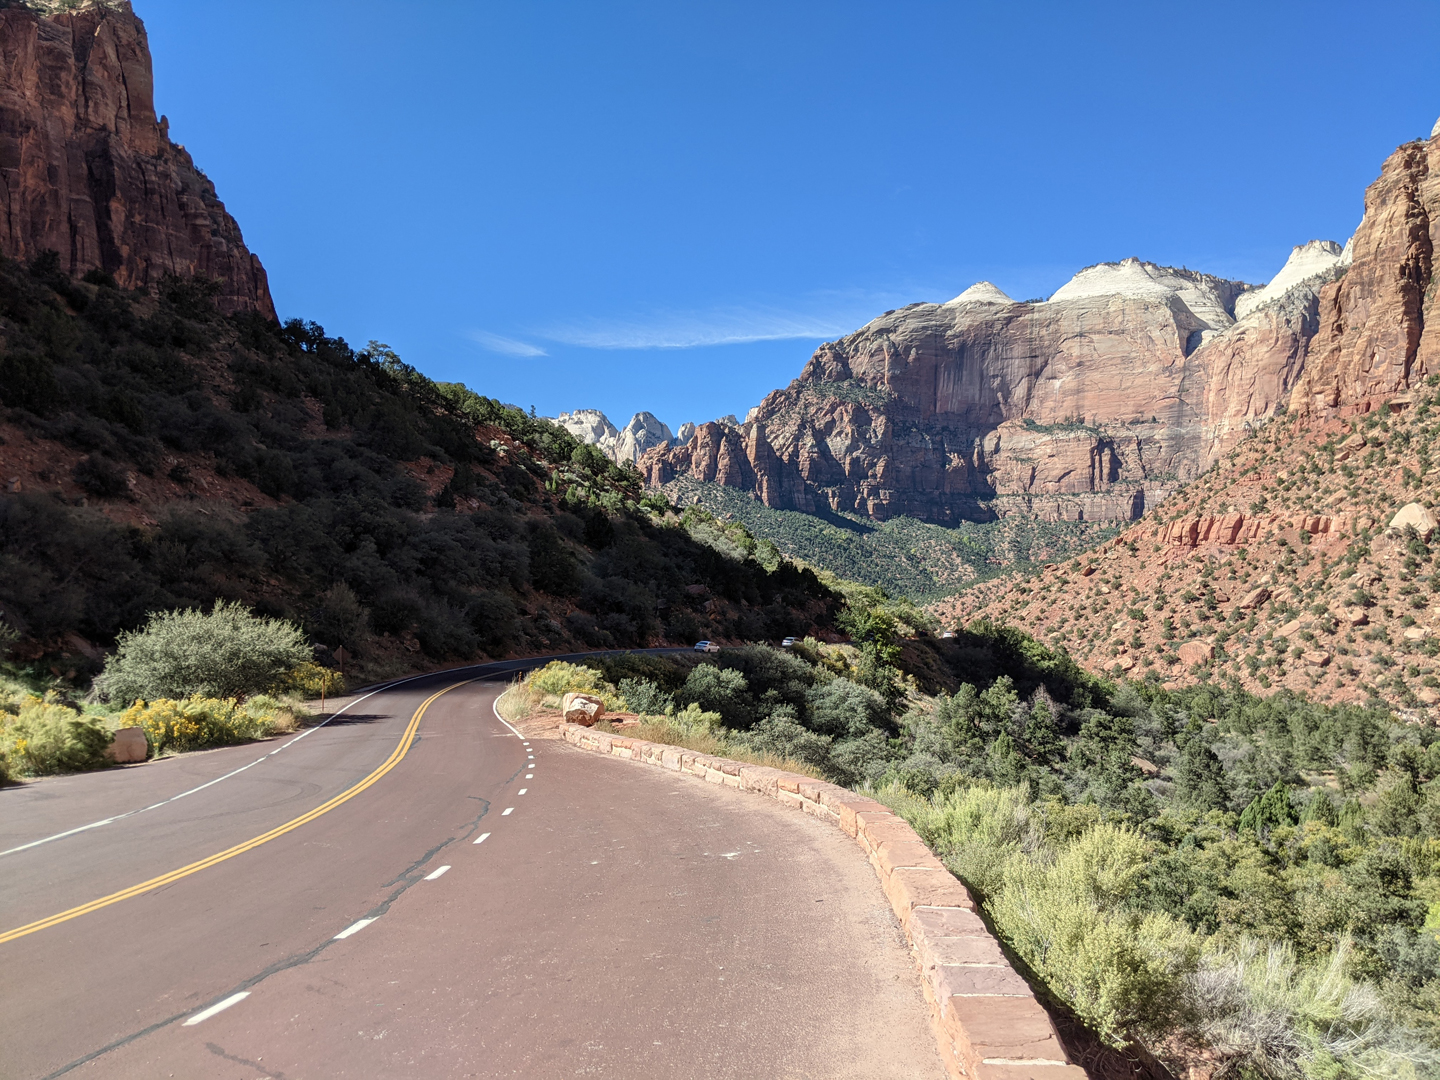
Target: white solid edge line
{"x":211,"y":783}
{"x":353,"y":928}
{"x":507,"y":811}
{"x":495,"y":708}
{"x":482,"y":838}
{"x":219,"y":1006}
{"x":440,"y":872}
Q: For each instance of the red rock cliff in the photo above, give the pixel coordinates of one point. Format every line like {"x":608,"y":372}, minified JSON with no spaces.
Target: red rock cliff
{"x":1096,"y":403}
{"x":1091,"y":405}
{"x":1373,"y":343}
{"x":87,"y":169}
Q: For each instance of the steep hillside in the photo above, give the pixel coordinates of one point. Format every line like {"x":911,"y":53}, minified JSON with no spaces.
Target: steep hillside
{"x":903,"y":556}
{"x":1304,"y":558}
{"x":157,"y":454}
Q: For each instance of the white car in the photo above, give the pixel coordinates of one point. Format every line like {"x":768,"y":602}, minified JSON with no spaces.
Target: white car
{"x":948,"y":634}
{"x":706,"y":646}
{"x":788,"y":643}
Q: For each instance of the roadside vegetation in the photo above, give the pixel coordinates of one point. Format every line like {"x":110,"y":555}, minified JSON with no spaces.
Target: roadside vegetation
{"x":1202,"y":876}
{"x":189,"y":680}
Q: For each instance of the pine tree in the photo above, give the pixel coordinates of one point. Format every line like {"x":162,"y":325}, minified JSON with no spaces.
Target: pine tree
{"x":1042,"y":734}
{"x":1199,"y":777}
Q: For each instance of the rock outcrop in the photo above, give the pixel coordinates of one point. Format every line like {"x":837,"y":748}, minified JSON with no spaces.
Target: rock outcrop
{"x":1371,"y":345}
{"x":1129,"y":380}
{"x":88,"y":170}
{"x":645,"y":431}
{"x":1092,"y":405}
{"x":592,"y":427}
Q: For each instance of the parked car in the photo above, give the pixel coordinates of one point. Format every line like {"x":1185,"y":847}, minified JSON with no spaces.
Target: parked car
{"x":787,"y":643}
{"x":948,"y":634}
{"x":706,"y":646}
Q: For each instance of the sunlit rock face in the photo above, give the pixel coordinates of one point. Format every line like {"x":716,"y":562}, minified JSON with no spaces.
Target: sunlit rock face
{"x":1091,"y":405}
{"x":87,"y":169}
{"x":1377,"y":337}
{"x":644,"y":432}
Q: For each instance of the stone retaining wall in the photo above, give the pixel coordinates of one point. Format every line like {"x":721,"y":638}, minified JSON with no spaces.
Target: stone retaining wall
{"x":989,"y":1025}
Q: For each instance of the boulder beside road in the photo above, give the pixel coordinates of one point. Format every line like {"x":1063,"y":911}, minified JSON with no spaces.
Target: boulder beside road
{"x":582,"y":709}
{"x":128,"y":746}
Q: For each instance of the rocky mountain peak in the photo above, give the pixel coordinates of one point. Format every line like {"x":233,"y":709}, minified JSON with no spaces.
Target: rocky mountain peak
{"x":1306,"y":261}
{"x":1211,"y":299}
{"x":982,"y":292}
{"x":644,"y":432}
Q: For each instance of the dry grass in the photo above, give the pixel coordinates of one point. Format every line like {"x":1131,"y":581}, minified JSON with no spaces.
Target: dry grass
{"x":520,"y":701}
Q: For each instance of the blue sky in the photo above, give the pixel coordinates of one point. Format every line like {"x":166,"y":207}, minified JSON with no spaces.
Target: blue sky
{"x":667,"y":206}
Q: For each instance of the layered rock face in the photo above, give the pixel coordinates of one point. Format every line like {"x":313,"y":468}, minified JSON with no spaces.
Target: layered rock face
{"x":1373,"y":343}
{"x":89,"y":171}
{"x":1092,"y":405}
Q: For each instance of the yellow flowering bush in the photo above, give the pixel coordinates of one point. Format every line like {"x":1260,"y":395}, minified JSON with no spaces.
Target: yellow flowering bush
{"x":198,"y":722}
{"x":311,"y":680}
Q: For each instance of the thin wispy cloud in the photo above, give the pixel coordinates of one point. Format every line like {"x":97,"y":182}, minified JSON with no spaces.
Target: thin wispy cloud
{"x":688,"y":330}
{"x":505,"y":346}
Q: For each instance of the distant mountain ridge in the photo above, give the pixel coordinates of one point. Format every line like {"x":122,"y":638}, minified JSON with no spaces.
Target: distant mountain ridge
{"x":645,"y":431}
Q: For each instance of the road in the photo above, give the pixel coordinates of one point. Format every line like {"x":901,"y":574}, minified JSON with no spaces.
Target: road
{"x":416,"y":890}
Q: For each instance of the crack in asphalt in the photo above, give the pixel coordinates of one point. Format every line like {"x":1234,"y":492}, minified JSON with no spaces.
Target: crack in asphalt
{"x":219,"y":1051}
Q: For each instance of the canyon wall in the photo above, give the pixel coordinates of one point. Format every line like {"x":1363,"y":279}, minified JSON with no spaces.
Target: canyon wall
{"x":89,"y":171}
{"x":1131,"y":379}
{"x":1091,"y":405}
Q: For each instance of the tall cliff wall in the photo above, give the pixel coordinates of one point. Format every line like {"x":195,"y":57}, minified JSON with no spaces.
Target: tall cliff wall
{"x":89,"y":171}
{"x":1131,"y":379}
{"x":1091,"y":406}
{"x":1373,"y":343}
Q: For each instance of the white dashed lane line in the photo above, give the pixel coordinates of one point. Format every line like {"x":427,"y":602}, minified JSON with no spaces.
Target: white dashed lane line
{"x":219,"y":1006}
{"x":482,"y":838}
{"x":353,"y":928}
{"x":507,"y":811}
{"x":529,"y":776}
{"x":437,"y":873}
{"x":523,"y":790}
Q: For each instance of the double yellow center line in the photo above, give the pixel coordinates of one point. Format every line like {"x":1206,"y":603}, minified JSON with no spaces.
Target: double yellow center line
{"x":394,"y":759}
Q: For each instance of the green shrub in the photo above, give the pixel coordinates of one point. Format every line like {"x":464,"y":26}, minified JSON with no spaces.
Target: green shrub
{"x":645,"y":698}
{"x":226,"y":653}
{"x":48,"y":738}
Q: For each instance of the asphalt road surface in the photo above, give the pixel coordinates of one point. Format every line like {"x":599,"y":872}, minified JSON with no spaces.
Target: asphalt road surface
{"x":416,"y":890}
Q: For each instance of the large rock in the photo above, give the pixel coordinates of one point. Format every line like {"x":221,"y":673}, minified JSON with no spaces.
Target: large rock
{"x":1414,"y":515}
{"x":582,"y":709}
{"x":128,"y":746}
{"x":644,"y":432}
{"x":88,"y":170}
{"x":1196,"y":652}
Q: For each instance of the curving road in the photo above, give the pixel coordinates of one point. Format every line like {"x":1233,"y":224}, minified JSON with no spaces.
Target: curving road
{"x":417,"y":890}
